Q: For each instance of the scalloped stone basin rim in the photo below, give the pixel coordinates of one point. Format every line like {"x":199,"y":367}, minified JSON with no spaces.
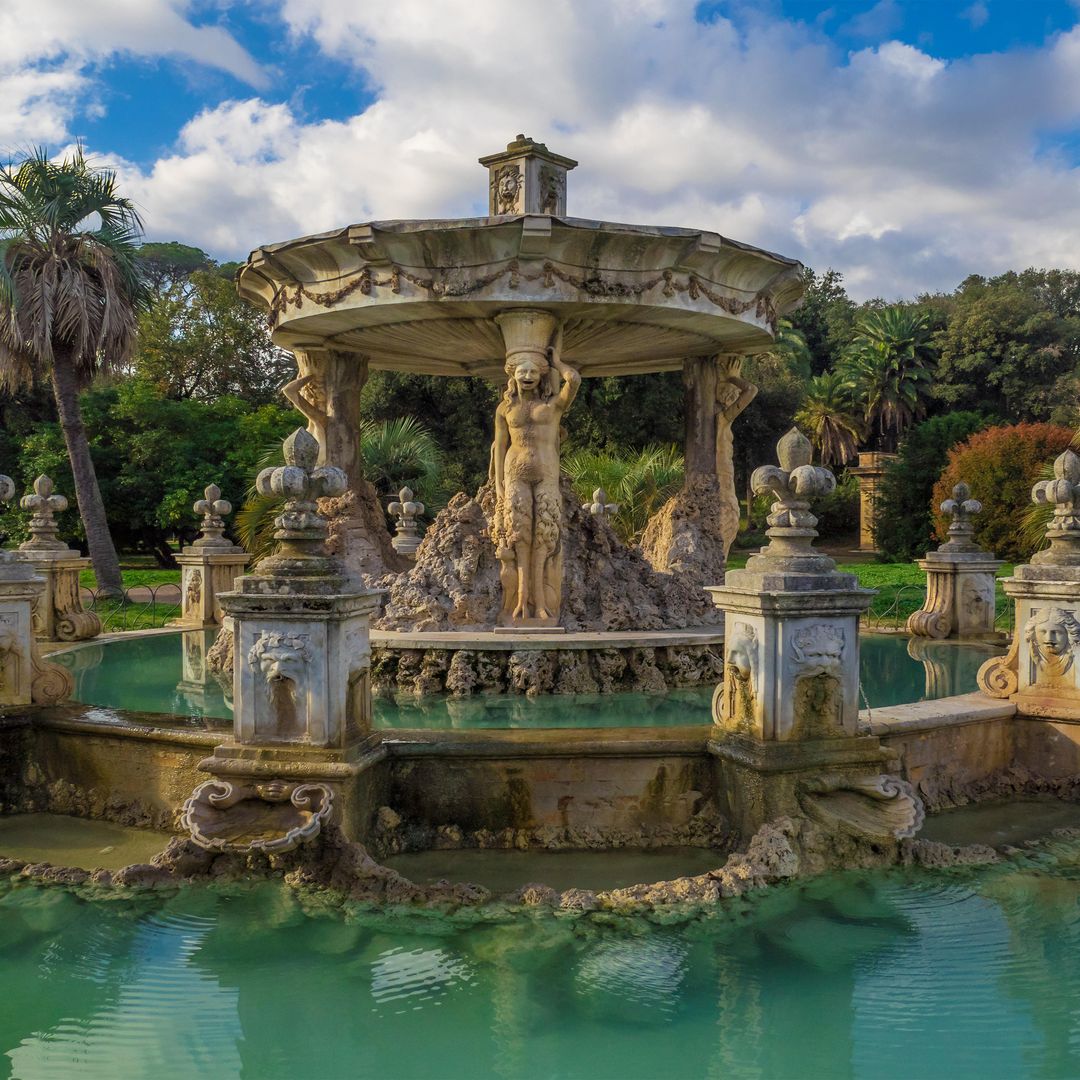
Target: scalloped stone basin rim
{"x":419,"y":295}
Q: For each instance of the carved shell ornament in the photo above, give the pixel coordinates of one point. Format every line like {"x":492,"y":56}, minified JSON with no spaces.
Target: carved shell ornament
{"x":878,"y":807}
{"x":269,"y":816}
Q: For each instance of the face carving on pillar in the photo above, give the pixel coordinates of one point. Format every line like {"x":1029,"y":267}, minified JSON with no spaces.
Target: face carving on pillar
{"x":1053,"y":635}
{"x":280,"y":658}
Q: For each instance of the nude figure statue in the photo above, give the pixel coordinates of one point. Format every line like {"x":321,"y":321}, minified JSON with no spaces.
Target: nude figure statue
{"x":733,"y":394}
{"x":525,"y":469}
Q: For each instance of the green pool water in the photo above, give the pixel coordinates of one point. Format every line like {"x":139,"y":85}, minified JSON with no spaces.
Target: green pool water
{"x":166,"y":674}
{"x":863,"y":975}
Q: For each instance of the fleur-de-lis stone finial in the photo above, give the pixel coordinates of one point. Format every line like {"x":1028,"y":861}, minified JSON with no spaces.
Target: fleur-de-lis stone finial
{"x":1063,"y":492}
{"x":405,"y":509}
{"x":213,"y":508}
{"x":300,"y":483}
{"x":600,"y":507}
{"x":961,"y":507}
{"x":794,"y":483}
{"x":44,"y":506}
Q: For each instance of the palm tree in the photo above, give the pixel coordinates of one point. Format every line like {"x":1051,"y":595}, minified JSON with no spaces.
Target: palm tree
{"x":395,"y":453}
{"x":828,"y":415}
{"x":69,"y":296}
{"x":791,"y":347}
{"x":888,"y":369}
{"x":640,"y":481}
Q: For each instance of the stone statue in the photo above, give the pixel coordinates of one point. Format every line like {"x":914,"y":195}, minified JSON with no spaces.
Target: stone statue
{"x":525,"y":468}
{"x":733,"y":394}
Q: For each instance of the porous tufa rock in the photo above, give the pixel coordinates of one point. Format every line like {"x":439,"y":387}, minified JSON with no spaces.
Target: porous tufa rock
{"x":606,"y":585}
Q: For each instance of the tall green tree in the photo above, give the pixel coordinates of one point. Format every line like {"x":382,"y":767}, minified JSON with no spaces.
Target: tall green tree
{"x":70,"y":293}
{"x":825,"y":317}
{"x":888,"y":369}
{"x":198,"y":339}
{"x":1012,"y":344}
{"x":827,"y":414}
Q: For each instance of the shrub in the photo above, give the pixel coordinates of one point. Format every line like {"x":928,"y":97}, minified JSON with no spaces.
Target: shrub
{"x":1000,"y":465}
{"x":838,"y":512}
{"x":904,"y":528}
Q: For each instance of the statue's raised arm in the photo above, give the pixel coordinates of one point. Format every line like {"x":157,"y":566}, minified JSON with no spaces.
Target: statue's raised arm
{"x":571,"y":378}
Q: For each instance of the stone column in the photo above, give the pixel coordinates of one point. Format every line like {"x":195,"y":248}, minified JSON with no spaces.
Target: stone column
{"x":870,"y":470}
{"x":301,"y":683}
{"x":25,"y":678}
{"x":327,"y":393}
{"x":787,"y":710}
{"x":693,"y":531}
{"x":58,"y":614}
{"x":960,"y":592}
{"x":1040,"y":672}
{"x":210,"y":565}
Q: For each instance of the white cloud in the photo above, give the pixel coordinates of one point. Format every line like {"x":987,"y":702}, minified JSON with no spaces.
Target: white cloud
{"x":48,"y":46}
{"x":901,"y":170}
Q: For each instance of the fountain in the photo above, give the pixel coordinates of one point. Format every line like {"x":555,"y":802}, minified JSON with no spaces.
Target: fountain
{"x":534,"y":300}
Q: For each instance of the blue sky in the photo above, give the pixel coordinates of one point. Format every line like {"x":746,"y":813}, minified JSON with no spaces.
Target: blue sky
{"x":905,"y":143}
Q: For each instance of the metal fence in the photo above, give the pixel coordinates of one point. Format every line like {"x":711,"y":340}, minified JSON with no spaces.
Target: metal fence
{"x":140,"y":607}
{"x":891,"y":610}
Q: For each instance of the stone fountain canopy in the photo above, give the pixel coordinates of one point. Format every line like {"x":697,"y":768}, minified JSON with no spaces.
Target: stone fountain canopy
{"x":420,"y":296}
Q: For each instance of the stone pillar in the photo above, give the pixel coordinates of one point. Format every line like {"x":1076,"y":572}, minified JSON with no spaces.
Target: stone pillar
{"x":58,"y":614}
{"x":527,"y":178}
{"x":210,"y":565}
{"x":1040,"y":672}
{"x":960,"y":579}
{"x":25,"y":678}
{"x":870,"y":470}
{"x":787,"y":710}
{"x":301,"y":683}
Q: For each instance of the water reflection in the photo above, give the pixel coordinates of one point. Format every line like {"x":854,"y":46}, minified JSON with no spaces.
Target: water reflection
{"x":168,"y":674}
{"x":854,"y":975}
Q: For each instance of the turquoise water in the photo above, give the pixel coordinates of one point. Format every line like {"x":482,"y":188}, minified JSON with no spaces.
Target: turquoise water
{"x":890,"y":974}
{"x":166,"y":673}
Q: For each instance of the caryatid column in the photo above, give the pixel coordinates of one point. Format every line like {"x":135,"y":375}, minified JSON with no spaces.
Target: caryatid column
{"x":692,"y":532}
{"x":527,"y":530}
{"x":327,"y":393}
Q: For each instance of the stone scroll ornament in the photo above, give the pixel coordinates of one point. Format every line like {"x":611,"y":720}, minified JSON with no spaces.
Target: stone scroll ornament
{"x":999,"y":677}
{"x":270,"y":817}
{"x":934,"y":619}
{"x":527,"y":529}
{"x":869,"y":807}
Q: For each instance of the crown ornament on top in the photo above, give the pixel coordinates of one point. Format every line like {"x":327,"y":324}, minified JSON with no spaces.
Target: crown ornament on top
{"x":405,"y":509}
{"x":794,"y":483}
{"x":961,"y":508}
{"x":44,"y":506}
{"x":1063,"y":493}
{"x":301,"y":481}
{"x":213,"y":509}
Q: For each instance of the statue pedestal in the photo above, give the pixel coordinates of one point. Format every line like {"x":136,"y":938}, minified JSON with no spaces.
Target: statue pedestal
{"x":24,"y":677}
{"x":206,"y":573}
{"x":960,"y":596}
{"x":59,"y":614}
{"x":787,"y":711}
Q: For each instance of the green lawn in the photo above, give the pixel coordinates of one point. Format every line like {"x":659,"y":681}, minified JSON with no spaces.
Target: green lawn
{"x":139,"y":612}
{"x":901,"y":590}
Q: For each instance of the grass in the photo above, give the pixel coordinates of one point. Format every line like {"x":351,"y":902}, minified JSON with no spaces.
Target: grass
{"x":137,"y":571}
{"x":901,"y":588}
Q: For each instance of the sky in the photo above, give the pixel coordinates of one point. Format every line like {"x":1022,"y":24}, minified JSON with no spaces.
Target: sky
{"x":905,"y":143}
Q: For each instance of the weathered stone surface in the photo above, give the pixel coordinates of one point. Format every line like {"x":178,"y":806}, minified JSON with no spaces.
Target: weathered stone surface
{"x":606,"y":586}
